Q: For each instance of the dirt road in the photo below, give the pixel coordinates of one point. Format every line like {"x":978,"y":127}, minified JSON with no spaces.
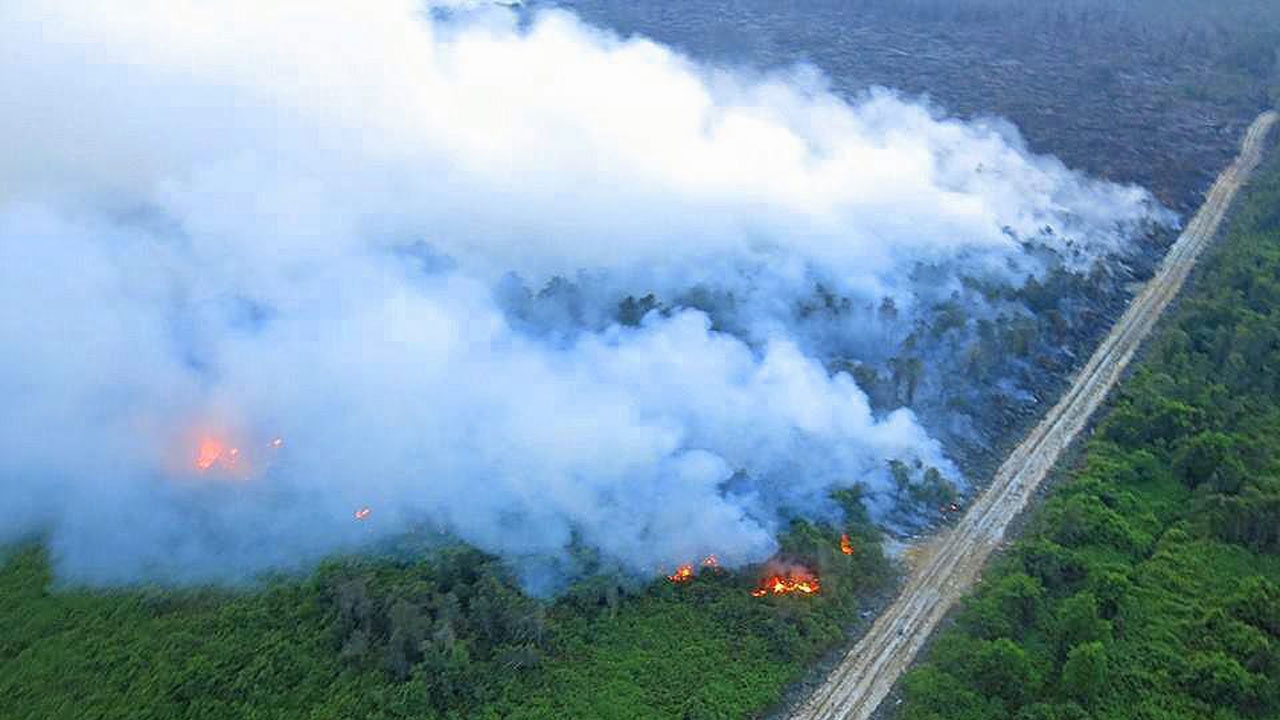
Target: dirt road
{"x":951,"y":562}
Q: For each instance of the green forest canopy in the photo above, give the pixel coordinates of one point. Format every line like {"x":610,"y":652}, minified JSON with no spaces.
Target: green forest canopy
{"x":419,"y":636}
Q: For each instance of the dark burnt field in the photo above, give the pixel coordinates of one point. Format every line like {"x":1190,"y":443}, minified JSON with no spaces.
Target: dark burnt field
{"x":1118,"y":90}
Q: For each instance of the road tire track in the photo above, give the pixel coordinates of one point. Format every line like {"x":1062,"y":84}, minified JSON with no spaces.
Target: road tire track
{"x":951,"y":562}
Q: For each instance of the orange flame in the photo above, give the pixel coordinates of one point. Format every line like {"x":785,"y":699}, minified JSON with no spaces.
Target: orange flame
{"x":684,"y":573}
{"x":221,"y":455}
{"x":208,"y":453}
{"x":793,"y":580}
{"x":711,"y":561}
{"x":363,"y":513}
{"x":846,"y":545}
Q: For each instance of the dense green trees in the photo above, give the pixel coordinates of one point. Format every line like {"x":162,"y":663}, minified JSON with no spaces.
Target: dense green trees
{"x":1084,"y":674}
{"x":1146,"y":587}
{"x":414,"y":635}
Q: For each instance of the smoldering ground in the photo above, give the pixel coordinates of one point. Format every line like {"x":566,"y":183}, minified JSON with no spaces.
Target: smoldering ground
{"x":510,"y":278}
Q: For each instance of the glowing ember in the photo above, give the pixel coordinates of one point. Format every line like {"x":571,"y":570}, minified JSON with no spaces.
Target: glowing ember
{"x":684,"y":573}
{"x":846,"y":546}
{"x":710,"y":561}
{"x":363,"y":513}
{"x":794,"y":580}
{"x":208,"y":453}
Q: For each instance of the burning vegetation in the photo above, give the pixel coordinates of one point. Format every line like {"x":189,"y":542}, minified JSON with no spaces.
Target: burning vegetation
{"x":778,"y":579}
{"x":685,"y":573}
{"x":793,"y":579}
{"x":846,"y":545}
{"x":220,"y":456}
{"x":211,"y":452}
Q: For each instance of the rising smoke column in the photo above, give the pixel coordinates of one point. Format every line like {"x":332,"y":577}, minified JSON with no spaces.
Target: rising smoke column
{"x":398,"y":240}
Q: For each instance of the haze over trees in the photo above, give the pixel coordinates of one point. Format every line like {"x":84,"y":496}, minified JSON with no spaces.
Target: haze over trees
{"x":431,"y":297}
{"x":1149,"y":581}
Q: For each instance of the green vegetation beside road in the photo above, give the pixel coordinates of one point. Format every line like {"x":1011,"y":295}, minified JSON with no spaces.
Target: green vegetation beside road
{"x":1148,"y":585}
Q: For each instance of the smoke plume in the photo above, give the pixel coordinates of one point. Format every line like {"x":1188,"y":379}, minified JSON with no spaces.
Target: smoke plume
{"x":487,"y":273}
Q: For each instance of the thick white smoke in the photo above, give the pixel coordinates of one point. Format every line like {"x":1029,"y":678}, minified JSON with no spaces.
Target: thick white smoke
{"x":330,"y":222}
